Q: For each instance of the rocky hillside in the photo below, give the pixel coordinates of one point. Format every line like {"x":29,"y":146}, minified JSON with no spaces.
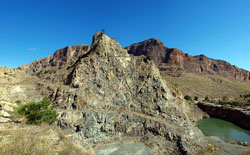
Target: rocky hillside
{"x":16,"y":85}
{"x":175,"y":61}
{"x":111,"y":102}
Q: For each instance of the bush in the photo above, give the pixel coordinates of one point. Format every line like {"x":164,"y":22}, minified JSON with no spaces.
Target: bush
{"x":188,"y":98}
{"x":148,"y":57}
{"x":207,"y":99}
{"x":246,"y":96}
{"x":196,"y":98}
{"x":224,"y":98}
{"x":18,"y":102}
{"x":38,"y":112}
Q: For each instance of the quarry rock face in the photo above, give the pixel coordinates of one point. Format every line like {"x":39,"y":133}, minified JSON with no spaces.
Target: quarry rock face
{"x":109,"y":96}
{"x":173,"y":60}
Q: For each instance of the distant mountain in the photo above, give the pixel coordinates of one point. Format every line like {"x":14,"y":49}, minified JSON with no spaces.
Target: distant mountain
{"x":173,"y":61}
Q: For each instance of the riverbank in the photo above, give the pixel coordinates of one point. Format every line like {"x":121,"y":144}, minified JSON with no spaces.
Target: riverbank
{"x":221,"y":147}
{"x":238,"y":116}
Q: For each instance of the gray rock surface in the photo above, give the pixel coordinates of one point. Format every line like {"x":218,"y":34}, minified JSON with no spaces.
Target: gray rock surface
{"x":109,"y":95}
{"x":226,"y":148}
{"x":125,"y":149}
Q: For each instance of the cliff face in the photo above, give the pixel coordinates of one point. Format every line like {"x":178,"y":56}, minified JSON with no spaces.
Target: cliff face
{"x":173,"y":60}
{"x":61,"y":58}
{"x":110,"y":96}
{"x":153,"y":48}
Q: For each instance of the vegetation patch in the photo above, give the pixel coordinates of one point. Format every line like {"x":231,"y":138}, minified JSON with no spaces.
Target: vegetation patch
{"x":196,"y":98}
{"x":208,"y":150}
{"x":188,"y":98}
{"x":41,"y":73}
{"x":38,"y":112}
{"x":38,"y":140}
{"x":207,"y":99}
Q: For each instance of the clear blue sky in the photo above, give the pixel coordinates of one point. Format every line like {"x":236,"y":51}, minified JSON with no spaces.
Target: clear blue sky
{"x":32,"y":29}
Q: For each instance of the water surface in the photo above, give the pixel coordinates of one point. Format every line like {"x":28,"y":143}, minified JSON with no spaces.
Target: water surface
{"x":223,"y":129}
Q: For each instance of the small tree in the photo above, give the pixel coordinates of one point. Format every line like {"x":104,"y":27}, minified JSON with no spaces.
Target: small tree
{"x":206,"y":99}
{"x":103,"y":31}
{"x":196,"y":98}
{"x":38,"y":112}
{"x":148,"y":57}
{"x":188,"y":98}
{"x":224,"y":98}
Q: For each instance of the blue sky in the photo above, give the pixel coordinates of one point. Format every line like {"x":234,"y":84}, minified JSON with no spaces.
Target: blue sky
{"x":32,"y":29}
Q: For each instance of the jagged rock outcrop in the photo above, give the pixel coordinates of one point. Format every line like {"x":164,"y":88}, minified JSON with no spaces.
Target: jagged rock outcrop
{"x":61,"y":58}
{"x":110,"y":96}
{"x":172,"y":60}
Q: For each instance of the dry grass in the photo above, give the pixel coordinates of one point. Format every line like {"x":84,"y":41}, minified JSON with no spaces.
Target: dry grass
{"x":208,"y":150}
{"x":211,"y":85}
{"x":37,"y":140}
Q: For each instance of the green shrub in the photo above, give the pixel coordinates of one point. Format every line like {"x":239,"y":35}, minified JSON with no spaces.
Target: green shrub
{"x":39,"y":74}
{"x":188,"y":98}
{"x":196,"y":98}
{"x":246,"y":96}
{"x":38,"y":112}
{"x":50,"y":71}
{"x":148,"y":57}
{"x":224,"y":98}
{"x":207,"y":99}
{"x":18,"y":102}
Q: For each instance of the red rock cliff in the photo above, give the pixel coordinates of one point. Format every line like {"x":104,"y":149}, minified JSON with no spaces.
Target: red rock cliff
{"x":174,"y":59}
{"x":61,"y":57}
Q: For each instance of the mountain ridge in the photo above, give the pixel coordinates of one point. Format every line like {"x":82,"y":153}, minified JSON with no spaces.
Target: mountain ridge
{"x":163,"y":57}
{"x":193,"y":75}
{"x":177,"y":58}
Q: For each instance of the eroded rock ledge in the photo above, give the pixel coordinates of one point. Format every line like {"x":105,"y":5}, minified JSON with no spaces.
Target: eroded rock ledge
{"x":238,"y":116}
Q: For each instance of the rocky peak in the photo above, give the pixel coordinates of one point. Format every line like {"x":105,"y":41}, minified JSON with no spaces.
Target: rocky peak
{"x":102,"y":45}
{"x":153,"y":48}
{"x":111,"y":95}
